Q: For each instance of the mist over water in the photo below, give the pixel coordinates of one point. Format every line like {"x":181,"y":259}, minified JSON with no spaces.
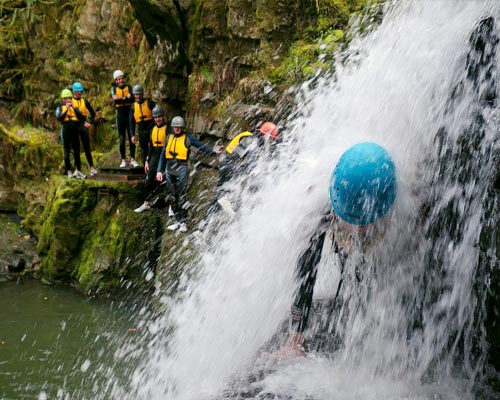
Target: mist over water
{"x":406,"y":322}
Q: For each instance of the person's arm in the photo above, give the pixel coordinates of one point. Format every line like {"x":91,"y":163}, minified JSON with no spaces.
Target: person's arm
{"x":79,"y":114}
{"x":306,"y":272}
{"x":114,"y":96}
{"x":199,"y":145}
{"x":91,"y":111}
{"x":122,"y":100}
{"x":150,"y":149}
{"x":131,"y":119}
{"x":161,"y":161}
{"x":60,"y":115}
{"x":129,"y":100}
{"x":150,"y":144}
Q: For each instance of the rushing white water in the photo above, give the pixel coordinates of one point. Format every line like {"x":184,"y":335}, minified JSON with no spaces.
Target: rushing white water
{"x":404,"y":323}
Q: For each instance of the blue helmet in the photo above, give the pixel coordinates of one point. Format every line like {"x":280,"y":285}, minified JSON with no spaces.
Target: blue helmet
{"x":77,"y":87}
{"x":363,"y":184}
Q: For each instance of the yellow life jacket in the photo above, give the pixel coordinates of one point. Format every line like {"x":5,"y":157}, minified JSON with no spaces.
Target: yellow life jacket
{"x":158,"y":135}
{"x":176,"y":147}
{"x":236,"y":141}
{"x":122,"y":92}
{"x":81,"y":105}
{"x":142,"y":112}
{"x":70,"y":115}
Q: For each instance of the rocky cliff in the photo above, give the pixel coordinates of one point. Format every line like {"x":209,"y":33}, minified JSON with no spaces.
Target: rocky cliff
{"x":225,"y":65}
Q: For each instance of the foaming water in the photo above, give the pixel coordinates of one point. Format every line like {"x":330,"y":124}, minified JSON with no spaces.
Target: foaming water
{"x":407,"y":318}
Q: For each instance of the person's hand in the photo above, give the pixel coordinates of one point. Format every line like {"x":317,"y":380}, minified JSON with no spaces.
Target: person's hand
{"x":87,"y":124}
{"x":146,"y":166}
{"x":294,"y":347}
{"x":219,"y":149}
{"x":159,"y":176}
{"x":133,"y":139}
{"x":289,"y":351}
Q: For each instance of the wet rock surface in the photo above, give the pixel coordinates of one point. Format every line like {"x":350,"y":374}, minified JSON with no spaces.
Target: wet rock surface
{"x":18,"y":251}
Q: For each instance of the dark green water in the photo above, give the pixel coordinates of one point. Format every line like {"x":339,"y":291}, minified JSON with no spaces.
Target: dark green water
{"x":57,"y":344}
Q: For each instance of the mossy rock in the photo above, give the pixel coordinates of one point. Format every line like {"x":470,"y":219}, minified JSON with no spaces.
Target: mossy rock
{"x":91,"y":236}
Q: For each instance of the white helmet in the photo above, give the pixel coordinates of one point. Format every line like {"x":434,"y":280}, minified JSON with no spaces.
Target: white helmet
{"x":177,"y":122}
{"x":117,"y":74}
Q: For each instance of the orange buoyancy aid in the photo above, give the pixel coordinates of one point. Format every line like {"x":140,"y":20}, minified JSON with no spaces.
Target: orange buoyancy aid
{"x":177,"y":147}
{"x":81,"y":105}
{"x":70,"y":114}
{"x":142,"y":112}
{"x":236,"y":141}
{"x":158,"y":135}
{"x":122,"y":92}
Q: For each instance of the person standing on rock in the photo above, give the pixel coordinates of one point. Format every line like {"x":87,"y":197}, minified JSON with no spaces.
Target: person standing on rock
{"x":157,"y":136}
{"x":123,"y":100}
{"x":89,"y":114}
{"x":141,"y":116}
{"x":173,"y":168}
{"x":71,"y":119}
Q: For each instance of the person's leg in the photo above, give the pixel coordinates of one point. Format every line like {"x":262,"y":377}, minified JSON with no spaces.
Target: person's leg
{"x":143,"y":143}
{"x":65,"y":135}
{"x":227,"y":170}
{"x":121,"y":128}
{"x":129,"y":135}
{"x":84,"y":135}
{"x":180,"y":184}
{"x":75,"y":144}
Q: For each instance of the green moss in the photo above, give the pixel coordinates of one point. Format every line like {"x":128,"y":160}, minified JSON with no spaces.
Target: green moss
{"x":305,"y":60}
{"x":34,"y":153}
{"x":91,"y":236}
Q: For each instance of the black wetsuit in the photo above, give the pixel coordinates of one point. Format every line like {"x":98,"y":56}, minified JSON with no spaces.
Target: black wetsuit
{"x":152,"y":188}
{"x":123,"y":120}
{"x":306,"y":273}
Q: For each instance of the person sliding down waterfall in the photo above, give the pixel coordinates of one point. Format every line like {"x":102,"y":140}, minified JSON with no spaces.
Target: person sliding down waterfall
{"x":174,"y":163}
{"x":239,"y":157}
{"x":362,"y":190}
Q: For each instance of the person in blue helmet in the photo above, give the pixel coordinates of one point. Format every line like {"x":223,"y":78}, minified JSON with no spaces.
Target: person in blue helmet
{"x":87,"y":122}
{"x":362,"y":191}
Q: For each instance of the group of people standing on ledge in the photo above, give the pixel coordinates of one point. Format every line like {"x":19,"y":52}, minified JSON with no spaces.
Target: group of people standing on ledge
{"x":164,"y":146}
{"x":76,"y":116}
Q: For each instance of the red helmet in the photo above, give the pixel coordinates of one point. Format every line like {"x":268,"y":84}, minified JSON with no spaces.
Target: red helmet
{"x":269,"y":128}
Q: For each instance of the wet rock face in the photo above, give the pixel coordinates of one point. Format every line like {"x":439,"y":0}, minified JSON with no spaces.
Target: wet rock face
{"x":8,"y":197}
{"x":18,"y":250}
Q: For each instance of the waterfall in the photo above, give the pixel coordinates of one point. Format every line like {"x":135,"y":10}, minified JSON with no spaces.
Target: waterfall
{"x":408,"y":323}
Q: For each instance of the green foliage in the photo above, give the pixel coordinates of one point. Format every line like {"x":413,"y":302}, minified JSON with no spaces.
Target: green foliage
{"x":304,"y":60}
{"x":207,"y":75}
{"x":332,"y":14}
